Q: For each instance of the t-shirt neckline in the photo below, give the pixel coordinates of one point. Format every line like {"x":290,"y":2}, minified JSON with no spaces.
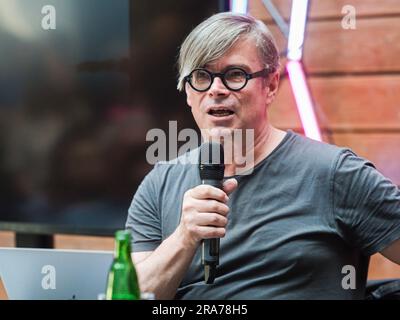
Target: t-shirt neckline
{"x":289,"y":134}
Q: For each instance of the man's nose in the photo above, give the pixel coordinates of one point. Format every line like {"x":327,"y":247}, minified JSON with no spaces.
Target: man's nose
{"x":218,"y":88}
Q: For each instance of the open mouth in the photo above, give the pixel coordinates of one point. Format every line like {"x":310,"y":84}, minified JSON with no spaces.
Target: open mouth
{"x":220,"y":112}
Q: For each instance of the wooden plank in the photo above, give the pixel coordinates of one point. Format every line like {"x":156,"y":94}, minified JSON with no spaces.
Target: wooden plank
{"x":344,"y":103}
{"x":368,"y":102}
{"x":327,"y":9}
{"x":333,"y":8}
{"x":83,"y":242}
{"x":257,"y":9}
{"x":383,"y":149}
{"x":7,"y":239}
{"x":373,"y":47}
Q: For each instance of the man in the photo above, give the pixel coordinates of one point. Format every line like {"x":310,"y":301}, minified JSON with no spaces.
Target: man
{"x":306,"y":212}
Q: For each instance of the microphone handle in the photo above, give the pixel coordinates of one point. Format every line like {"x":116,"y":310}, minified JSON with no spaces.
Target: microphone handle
{"x":210,"y":247}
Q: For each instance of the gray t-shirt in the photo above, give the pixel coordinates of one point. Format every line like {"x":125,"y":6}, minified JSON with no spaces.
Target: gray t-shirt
{"x":300,"y":226}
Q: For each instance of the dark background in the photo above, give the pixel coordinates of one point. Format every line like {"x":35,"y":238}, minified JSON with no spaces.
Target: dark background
{"x":76,"y":104}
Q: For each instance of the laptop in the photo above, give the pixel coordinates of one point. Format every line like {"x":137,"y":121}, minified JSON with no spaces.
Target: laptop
{"x":37,"y":274}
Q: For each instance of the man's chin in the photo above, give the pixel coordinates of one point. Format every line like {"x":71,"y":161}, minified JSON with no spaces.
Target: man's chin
{"x":216,"y":133}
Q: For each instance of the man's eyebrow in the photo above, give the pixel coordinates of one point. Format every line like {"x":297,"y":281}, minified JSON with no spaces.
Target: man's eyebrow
{"x":239,"y":65}
{"x":230,"y":66}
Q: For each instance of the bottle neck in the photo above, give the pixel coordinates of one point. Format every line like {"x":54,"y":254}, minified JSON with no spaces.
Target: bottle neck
{"x":122,"y":250}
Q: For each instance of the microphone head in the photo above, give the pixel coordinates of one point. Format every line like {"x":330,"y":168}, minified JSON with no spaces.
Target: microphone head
{"x":211,"y":162}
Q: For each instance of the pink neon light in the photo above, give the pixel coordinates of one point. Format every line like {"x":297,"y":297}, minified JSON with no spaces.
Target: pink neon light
{"x":303,"y":100}
{"x":298,"y":19}
{"x":238,"y":6}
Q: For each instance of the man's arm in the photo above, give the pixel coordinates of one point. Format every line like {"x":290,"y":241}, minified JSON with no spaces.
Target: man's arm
{"x":203,"y":216}
{"x":392,"y":252}
{"x":161,"y":271}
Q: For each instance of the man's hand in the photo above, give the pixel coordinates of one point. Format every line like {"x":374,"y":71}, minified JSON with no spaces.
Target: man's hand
{"x":204,"y":215}
{"x":204,"y":212}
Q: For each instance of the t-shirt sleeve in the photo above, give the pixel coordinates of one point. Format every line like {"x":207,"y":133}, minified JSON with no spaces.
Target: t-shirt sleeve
{"x":144,"y":219}
{"x":366,"y":204}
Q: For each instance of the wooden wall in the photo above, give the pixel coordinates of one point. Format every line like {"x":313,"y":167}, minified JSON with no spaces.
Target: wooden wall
{"x":353,"y":76}
{"x":354,"y":79}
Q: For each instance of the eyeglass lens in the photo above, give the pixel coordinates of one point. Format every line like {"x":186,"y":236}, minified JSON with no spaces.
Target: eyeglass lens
{"x":234,"y":79}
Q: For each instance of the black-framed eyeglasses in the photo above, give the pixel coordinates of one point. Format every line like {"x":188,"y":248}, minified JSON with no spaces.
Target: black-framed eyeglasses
{"x":234,"y":79}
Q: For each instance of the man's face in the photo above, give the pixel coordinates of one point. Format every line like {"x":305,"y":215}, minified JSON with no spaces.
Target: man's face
{"x":248,"y":105}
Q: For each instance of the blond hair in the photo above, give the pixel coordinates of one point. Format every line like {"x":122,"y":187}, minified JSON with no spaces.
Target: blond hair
{"x":212,"y":38}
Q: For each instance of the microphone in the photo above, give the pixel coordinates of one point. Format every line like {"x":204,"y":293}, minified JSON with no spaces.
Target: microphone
{"x":211,"y":168}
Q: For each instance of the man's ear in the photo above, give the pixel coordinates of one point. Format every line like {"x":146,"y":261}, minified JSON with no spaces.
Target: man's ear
{"x":273,"y":86}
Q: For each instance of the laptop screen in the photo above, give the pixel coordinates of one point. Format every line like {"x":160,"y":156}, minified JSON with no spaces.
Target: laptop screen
{"x":36,"y":274}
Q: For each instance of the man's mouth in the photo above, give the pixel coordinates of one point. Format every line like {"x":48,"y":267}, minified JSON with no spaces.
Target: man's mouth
{"x":220,"y":112}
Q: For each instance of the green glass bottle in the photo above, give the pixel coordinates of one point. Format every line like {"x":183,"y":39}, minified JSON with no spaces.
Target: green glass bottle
{"x":122,"y":281}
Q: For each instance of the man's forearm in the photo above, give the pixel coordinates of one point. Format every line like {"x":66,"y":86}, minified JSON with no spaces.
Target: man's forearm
{"x":162,"y":272}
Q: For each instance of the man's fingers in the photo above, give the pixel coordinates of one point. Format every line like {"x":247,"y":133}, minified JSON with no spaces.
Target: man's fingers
{"x":211,"y":232}
{"x":210,"y":219}
{"x":212,"y":206}
{"x":208,"y":192}
{"x":230,"y":185}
